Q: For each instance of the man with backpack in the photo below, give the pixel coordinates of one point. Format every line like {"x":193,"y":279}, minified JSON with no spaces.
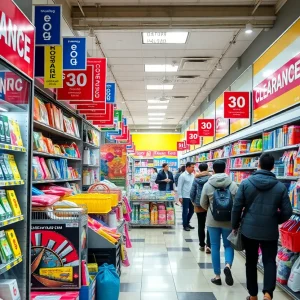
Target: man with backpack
{"x":199,"y":181}
{"x":217,"y":198}
{"x":265,"y":204}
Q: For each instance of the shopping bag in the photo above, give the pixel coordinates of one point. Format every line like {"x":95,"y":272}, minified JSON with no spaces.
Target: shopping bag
{"x":294,"y":279}
{"x":108,"y":283}
{"x":235,"y":240}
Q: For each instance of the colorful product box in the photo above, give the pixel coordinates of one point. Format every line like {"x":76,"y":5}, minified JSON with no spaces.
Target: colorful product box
{"x":9,"y":289}
{"x":7,"y":139}
{"x":6,"y":254}
{"x":5,"y":204}
{"x":54,"y":295}
{"x":13,"y":202}
{"x":5,"y":167}
{"x":13,"y":166}
{"x":13,"y":242}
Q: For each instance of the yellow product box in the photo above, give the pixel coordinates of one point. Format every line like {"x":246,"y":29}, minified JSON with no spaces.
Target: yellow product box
{"x":13,"y":201}
{"x":15,"y":128}
{"x":13,"y":166}
{"x":61,"y":273}
{"x":93,"y":268}
{"x":13,"y":242}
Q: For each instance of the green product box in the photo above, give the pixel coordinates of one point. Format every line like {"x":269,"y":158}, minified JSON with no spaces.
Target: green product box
{"x":4,"y":169}
{"x":6,"y":129}
{"x":7,"y":165}
{"x":5,"y":204}
{"x":6,"y":254}
{"x":2,"y":133}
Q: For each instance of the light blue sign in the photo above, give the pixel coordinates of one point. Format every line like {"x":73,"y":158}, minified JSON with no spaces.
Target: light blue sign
{"x":74,"y":53}
{"x":110,"y":92}
{"x":47,"y":21}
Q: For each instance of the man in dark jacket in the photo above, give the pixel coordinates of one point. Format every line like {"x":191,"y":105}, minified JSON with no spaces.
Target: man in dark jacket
{"x":165,"y":179}
{"x":199,"y":181}
{"x":267,"y":204}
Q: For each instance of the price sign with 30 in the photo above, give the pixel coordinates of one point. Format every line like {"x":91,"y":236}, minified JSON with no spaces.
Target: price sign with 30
{"x":206,"y":127}
{"x":192,"y":137}
{"x":236,"y":105}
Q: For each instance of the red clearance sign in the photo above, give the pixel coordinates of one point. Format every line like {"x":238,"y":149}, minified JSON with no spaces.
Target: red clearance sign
{"x":105,"y":119}
{"x":77,"y":85}
{"x":181,"y":146}
{"x":236,"y":105}
{"x":206,"y":127}
{"x":16,"y":38}
{"x":86,"y":109}
{"x":192,"y":137}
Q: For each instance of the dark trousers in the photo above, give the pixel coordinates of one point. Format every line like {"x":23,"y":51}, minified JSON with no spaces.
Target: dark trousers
{"x":201,"y":216}
{"x":187,"y":211}
{"x":269,"y":252}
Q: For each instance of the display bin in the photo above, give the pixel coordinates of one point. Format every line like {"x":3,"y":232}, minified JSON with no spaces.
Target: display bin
{"x":88,"y":292}
{"x":290,"y":239}
{"x":58,"y":245}
{"x":102,"y":188}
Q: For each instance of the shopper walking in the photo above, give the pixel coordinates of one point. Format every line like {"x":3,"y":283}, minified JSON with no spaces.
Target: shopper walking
{"x":217,"y":197}
{"x":266,"y":204}
{"x":153,"y":179}
{"x":165,"y":179}
{"x":197,"y":187}
{"x":180,"y":171}
{"x":184,"y":187}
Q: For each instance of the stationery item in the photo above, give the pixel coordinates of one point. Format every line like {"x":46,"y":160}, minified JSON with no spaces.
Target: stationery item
{"x":13,"y":167}
{"x":2,"y":133}
{"x":5,"y":167}
{"x":9,"y":289}
{"x":13,"y":202}
{"x":6,"y":254}
{"x":6,"y":129}
{"x":5,"y":204}
{"x":13,"y":242}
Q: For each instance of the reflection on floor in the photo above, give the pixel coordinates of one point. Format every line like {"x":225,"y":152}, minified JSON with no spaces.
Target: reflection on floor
{"x":166,"y":264}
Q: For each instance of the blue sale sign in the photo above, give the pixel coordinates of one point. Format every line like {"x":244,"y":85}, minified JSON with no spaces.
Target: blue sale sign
{"x":74,"y":53}
{"x":47,"y":21}
{"x":110,"y":92}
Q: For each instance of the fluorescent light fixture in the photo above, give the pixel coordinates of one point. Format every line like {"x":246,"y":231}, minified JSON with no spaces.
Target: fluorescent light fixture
{"x":159,"y":37}
{"x":158,"y":101}
{"x":219,"y":67}
{"x":161,"y":68}
{"x":155,"y":123}
{"x":155,"y":119}
{"x":157,"y":107}
{"x":154,"y":127}
{"x":3,"y":109}
{"x":249,"y":28}
{"x":160,"y":87}
{"x":156,"y":114}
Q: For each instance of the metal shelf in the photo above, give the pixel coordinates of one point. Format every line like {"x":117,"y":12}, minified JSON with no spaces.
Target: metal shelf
{"x":288,"y":177}
{"x":6,"y":267}
{"x":142,"y":182}
{"x":246,"y":154}
{"x":147,"y":200}
{"x":89,"y":145}
{"x":151,"y":225}
{"x":11,"y":182}
{"x":54,"y":131}
{"x":91,"y":166}
{"x":11,"y":220}
{"x":55,"y":156}
{"x":296,"y":211}
{"x":12,"y":148}
{"x":282,"y":148}
{"x":55,"y":180}
{"x":243,"y":169}
{"x":214,"y":159}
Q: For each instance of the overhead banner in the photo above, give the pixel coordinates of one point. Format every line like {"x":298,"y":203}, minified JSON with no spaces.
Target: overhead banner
{"x":91,"y":108}
{"x":17,"y":43}
{"x":110,"y":92}
{"x":106,"y":119}
{"x":181,"y":146}
{"x":47,"y":21}
{"x":39,"y":64}
{"x":53,"y":77}
{"x":206,"y":127}
{"x":118,"y":115}
{"x":222,"y":124}
{"x":276,"y":78}
{"x":192,"y":137}
{"x":74,"y":53}
{"x":77,"y":85}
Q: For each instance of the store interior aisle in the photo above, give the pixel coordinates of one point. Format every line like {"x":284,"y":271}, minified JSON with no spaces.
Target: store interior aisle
{"x":166,"y":264}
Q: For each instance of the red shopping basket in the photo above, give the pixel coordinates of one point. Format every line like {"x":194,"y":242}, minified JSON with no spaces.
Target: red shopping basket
{"x":290,"y":239}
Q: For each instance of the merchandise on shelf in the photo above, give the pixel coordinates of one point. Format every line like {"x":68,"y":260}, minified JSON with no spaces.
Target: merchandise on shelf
{"x":151,"y":195}
{"x":246,"y":146}
{"x":244,"y":162}
{"x":239,"y":176}
{"x":9,"y":246}
{"x":9,"y":169}
{"x":294,"y":194}
{"x":90,"y":157}
{"x":54,"y":295}
{"x":91,"y":136}
{"x":9,"y":289}
{"x":288,"y":164}
{"x":142,"y":174}
{"x":10,"y":132}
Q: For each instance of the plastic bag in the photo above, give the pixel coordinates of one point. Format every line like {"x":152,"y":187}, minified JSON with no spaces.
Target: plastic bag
{"x":286,"y":260}
{"x":108,"y":283}
{"x":294,"y":279}
{"x":236,"y":240}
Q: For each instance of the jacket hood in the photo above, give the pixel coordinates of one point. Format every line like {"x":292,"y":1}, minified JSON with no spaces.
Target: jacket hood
{"x":203,"y":178}
{"x":263,"y":180}
{"x":220,"y":180}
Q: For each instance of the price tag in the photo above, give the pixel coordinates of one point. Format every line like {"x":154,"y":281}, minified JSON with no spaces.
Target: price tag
{"x":181,"y":146}
{"x":206,"y":127}
{"x":192,"y":137}
{"x":236,"y":105}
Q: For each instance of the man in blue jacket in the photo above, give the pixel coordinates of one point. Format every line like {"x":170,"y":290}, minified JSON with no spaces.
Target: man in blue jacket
{"x":165,"y":179}
{"x":267,"y":204}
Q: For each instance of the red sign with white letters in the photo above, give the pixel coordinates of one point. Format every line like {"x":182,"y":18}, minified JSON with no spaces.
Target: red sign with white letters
{"x":236,"y":105}
{"x":181,"y":146}
{"x":103,"y":119}
{"x":77,"y":85}
{"x":206,"y":127}
{"x":91,"y":108}
{"x":192,"y":137}
{"x":16,"y":38}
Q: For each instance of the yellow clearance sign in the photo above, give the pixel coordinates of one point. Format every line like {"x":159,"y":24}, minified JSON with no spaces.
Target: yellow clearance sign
{"x":53,"y":67}
{"x":276,"y":76}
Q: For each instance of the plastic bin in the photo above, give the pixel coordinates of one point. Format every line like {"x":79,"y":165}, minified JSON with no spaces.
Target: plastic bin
{"x":290,"y":239}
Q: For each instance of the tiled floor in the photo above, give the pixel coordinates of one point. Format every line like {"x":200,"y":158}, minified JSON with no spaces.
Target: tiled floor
{"x":166,"y":264}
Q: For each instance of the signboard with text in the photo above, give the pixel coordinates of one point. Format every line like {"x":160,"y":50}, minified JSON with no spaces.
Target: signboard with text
{"x":110,"y":92}
{"x":53,"y":77}
{"x":206,"y":127}
{"x":74,"y":53}
{"x":236,"y":105}
{"x":181,"y":146}
{"x":192,"y":137}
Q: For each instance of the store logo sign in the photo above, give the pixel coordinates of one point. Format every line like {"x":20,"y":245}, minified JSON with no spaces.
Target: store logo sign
{"x":110,"y":92}
{"x":74,"y":53}
{"x":53,"y":67}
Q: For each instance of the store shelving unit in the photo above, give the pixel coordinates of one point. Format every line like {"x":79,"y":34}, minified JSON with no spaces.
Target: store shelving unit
{"x":142,"y":170}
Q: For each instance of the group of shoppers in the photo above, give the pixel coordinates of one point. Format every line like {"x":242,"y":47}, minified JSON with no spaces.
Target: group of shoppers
{"x":256,"y":208}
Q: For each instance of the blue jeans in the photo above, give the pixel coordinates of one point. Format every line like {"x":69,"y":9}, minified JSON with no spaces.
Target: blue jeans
{"x":187,"y":211}
{"x":215,"y":234}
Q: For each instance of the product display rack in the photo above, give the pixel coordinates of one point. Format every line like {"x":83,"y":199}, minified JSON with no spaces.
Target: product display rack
{"x":143,"y":165}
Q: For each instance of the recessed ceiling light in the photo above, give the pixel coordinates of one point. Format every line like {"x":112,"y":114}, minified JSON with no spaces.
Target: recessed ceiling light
{"x":155,"y":123}
{"x":165,"y":37}
{"x":154,"y":127}
{"x":158,"y":101}
{"x":249,"y":28}
{"x":161,"y":68}
{"x":156,"y":114}
{"x":157,"y":107}
{"x":160,"y":87}
{"x":155,"y":119}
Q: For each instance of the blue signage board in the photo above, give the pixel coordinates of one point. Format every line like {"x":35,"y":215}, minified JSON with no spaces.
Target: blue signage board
{"x":74,"y":53}
{"x":110,"y":92}
{"x":47,"y":21}
{"x":2,"y":85}
{"x":39,"y":65}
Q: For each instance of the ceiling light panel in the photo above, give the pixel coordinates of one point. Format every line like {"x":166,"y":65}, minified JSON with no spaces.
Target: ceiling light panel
{"x":156,"y":114}
{"x":157,"y":107}
{"x":155,"y":123}
{"x":160,"y":87}
{"x":164,"y":37}
{"x":155,"y":119}
{"x":158,"y":101}
{"x":161,"y":68}
{"x":154,"y":127}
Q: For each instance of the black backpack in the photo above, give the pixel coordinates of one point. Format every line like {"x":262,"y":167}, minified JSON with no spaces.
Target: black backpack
{"x":222,"y":204}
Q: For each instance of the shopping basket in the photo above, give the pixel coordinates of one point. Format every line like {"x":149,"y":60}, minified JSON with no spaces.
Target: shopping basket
{"x":104,"y":189}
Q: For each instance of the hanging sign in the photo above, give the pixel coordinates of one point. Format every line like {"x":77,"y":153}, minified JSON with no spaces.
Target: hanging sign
{"x":39,"y":64}
{"x":110,"y":92}
{"x":125,"y":134}
{"x":53,"y":77}
{"x":192,"y":137}
{"x":206,"y":127}
{"x":236,"y":105}
{"x":16,"y":38}
{"x":108,"y":129}
{"x":106,"y":119}
{"x":77,"y":85}
{"x":74,"y":53}
{"x":118,"y":115}
{"x":47,"y":21}
{"x":181,"y":146}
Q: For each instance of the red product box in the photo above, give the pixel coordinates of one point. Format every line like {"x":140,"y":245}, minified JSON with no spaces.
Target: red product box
{"x":58,"y":295}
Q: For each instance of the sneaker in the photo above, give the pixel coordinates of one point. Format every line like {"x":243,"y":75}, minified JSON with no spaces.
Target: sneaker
{"x":191,"y":227}
{"x":216,"y":281}
{"x":208,"y":251}
{"x":202,"y":249}
{"x":228,"y":276}
{"x":186,"y":229}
